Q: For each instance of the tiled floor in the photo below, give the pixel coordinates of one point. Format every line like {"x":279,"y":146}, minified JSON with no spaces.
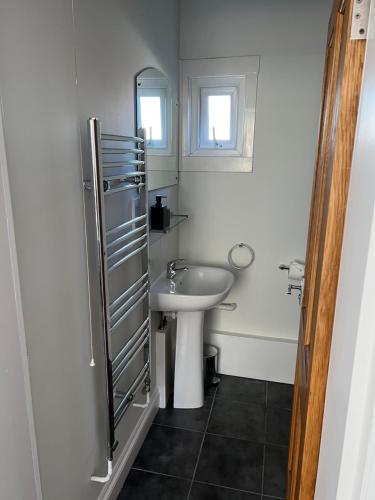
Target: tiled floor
{"x":234,"y":448}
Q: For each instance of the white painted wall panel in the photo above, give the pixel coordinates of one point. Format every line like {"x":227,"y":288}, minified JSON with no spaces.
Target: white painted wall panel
{"x":268,"y":208}
{"x":19,"y":471}
{"x":218,"y":28}
{"x":262,"y":358}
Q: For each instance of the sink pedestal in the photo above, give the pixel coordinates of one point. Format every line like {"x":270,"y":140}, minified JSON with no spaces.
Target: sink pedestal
{"x":188,"y":378}
{"x":190,"y":293}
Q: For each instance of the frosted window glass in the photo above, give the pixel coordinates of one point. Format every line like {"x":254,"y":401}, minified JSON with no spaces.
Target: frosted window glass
{"x":151,"y":117}
{"x":219,"y":117}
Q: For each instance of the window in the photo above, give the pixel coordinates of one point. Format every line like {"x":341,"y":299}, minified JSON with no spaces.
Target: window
{"x":153,"y":113}
{"x":218,"y":118}
{"x":219,"y":99}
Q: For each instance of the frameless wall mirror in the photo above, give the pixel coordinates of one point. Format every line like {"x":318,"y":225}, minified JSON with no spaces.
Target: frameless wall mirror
{"x":156,"y":109}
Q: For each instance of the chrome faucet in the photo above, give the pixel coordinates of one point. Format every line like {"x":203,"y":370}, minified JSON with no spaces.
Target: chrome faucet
{"x":172,"y":269}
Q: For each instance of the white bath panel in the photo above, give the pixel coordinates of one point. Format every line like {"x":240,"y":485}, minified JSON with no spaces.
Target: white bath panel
{"x":251,"y":356}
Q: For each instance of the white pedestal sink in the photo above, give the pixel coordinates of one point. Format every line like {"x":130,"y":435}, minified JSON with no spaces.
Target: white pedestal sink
{"x":190,"y":294}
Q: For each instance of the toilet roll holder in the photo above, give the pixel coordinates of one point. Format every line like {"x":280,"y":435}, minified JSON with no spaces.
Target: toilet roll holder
{"x":286,"y":267}
{"x":292,"y":286}
{"x":295,"y":287}
{"x":294,"y":264}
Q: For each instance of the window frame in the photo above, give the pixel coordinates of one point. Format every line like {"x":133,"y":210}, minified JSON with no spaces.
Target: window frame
{"x":240,"y":76}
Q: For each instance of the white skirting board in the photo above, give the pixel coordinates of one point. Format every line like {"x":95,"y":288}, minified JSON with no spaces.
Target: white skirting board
{"x":251,"y":356}
{"x":125,"y":461}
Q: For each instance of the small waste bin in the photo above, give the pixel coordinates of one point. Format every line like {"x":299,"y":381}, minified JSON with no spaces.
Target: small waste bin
{"x":210,"y":353}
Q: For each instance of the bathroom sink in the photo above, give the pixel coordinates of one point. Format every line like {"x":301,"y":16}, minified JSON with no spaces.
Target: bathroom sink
{"x":190,"y":293}
{"x":197,"y":288}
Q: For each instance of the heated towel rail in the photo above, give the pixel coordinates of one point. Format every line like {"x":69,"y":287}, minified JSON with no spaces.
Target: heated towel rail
{"x":117,"y":165}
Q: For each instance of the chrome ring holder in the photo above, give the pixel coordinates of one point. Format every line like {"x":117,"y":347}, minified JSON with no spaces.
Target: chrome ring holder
{"x":241,"y":245}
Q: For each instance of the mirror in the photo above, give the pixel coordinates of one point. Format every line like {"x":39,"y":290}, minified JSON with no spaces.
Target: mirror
{"x":156,"y":111}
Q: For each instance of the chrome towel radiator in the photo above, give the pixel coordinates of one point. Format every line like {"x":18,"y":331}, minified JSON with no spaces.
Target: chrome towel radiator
{"x":116,"y":206}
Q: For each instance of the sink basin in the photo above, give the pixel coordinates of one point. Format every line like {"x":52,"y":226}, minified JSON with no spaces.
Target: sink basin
{"x":190,"y":294}
{"x":197,"y":289}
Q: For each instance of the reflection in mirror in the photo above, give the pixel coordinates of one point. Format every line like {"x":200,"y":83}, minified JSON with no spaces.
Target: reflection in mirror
{"x":157,"y":113}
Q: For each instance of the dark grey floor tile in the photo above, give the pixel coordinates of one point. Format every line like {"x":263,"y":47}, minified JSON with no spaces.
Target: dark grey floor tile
{"x":238,"y":420}
{"x":195,"y":419}
{"x":278,"y":426}
{"x":169,"y":451}
{"x":149,"y":486}
{"x":280,"y":395}
{"x":275,"y":471}
{"x":231,"y":462}
{"x":240,"y":389}
{"x":210,"y":390}
{"x":201,"y":491}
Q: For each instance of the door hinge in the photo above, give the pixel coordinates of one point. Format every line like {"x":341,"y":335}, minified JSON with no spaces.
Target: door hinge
{"x":360,"y":19}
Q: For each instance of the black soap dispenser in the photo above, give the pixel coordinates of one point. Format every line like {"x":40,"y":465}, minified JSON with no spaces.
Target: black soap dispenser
{"x":160,"y":215}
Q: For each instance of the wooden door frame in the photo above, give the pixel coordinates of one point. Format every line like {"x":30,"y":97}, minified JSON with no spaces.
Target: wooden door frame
{"x":320,"y":299}
{"x":347,"y":453}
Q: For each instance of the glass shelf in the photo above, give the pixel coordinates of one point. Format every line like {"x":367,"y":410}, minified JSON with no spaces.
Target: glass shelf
{"x":176,"y":220}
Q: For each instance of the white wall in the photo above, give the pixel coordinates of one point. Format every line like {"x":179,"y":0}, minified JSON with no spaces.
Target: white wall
{"x":42,"y":54}
{"x":268,"y":208}
{"x":346,"y":463}
{"x":19,"y":472}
